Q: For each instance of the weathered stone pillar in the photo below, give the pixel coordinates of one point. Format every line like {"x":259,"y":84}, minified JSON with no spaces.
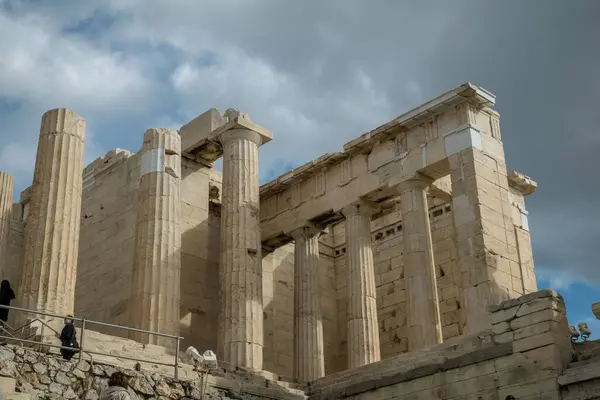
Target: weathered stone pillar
{"x":7,"y":186}
{"x":363,"y":330}
{"x":241,"y":321}
{"x":155,"y":282}
{"x":309,"y":359}
{"x":423,"y":310}
{"x":52,"y":230}
{"x":485,"y":237}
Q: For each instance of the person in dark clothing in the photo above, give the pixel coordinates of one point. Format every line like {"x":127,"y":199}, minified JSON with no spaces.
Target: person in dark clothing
{"x":6,"y":295}
{"x":68,"y":338}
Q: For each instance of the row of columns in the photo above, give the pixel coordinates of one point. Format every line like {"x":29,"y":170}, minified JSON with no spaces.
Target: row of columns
{"x":52,"y":232}
{"x":363,"y":346}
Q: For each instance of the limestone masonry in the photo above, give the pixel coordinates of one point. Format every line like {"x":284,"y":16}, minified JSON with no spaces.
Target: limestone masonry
{"x":411,"y":243}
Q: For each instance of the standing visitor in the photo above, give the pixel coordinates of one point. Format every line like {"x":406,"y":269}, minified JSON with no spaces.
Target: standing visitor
{"x":6,"y":295}
{"x":117,"y":388}
{"x":68,"y":338}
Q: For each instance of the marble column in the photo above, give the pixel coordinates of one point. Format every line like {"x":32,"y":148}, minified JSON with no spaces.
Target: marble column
{"x":7,"y":185}
{"x":363,"y":329}
{"x":155,"y":283}
{"x":240,"y":274}
{"x":309,"y":359}
{"x":52,"y":230}
{"x":423,"y":309}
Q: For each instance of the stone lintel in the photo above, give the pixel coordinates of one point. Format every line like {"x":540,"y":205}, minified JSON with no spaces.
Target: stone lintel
{"x":596,"y":309}
{"x":200,"y":137}
{"x":301,"y":173}
{"x":522,"y":183}
{"x":464,"y":93}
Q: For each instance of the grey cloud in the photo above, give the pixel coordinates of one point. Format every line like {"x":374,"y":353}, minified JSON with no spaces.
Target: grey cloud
{"x":540,"y":57}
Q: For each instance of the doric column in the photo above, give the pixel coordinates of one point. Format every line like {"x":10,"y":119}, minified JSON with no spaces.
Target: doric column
{"x":423,"y":310}
{"x":309,"y":360}
{"x":241,"y":321}
{"x":52,"y":230}
{"x":7,"y":185}
{"x":363,"y":330}
{"x":155,"y":282}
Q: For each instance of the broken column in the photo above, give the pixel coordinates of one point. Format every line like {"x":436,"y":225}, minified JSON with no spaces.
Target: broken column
{"x":52,"y":230}
{"x":363,"y":330}
{"x":241,"y":321}
{"x":7,"y":185}
{"x":422,"y":305}
{"x":154,"y":299}
{"x":309,"y":359}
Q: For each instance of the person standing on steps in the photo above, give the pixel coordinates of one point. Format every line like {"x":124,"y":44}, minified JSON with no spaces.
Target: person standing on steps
{"x":6,"y":295}
{"x":68,"y":338}
{"x":117,"y":388}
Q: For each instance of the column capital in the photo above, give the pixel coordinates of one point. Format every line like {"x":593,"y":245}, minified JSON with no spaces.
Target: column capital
{"x":306,"y":231}
{"x":361,"y":207}
{"x":420,"y":182}
{"x":240,"y":126}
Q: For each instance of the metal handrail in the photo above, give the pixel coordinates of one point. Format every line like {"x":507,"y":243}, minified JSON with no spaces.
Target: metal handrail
{"x":85,"y":322}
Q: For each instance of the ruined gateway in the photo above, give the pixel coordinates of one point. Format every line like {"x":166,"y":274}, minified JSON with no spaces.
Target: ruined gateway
{"x":401,"y":242}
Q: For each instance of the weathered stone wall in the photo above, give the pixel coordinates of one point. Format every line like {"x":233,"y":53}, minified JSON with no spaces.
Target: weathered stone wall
{"x":523,"y":355}
{"x":51,"y":378}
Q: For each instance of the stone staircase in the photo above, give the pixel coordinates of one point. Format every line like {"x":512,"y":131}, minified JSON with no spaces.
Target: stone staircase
{"x":120,"y":349}
{"x":7,"y":390}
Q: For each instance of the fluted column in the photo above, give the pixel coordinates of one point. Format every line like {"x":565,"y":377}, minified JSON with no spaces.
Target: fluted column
{"x":363,"y":330}
{"x":52,"y":230}
{"x":309,"y":359}
{"x":240,"y":274}
{"x":423,"y":310}
{"x":7,"y":185}
{"x":155,"y":283}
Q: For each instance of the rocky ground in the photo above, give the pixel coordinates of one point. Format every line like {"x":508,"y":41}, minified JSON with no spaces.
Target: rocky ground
{"x":49,"y":377}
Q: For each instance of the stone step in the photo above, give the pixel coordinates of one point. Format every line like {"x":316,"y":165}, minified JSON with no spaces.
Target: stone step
{"x":7,"y":385}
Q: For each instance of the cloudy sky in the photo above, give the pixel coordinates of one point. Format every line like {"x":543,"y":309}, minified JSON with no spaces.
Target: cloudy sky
{"x":319,"y":73}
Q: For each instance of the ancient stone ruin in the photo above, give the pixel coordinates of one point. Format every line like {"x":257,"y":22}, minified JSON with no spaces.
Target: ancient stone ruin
{"x":400,"y":266}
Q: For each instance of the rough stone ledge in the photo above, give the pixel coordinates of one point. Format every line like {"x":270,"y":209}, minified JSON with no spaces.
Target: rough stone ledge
{"x":580,"y":373}
{"x":375,"y":376}
{"x":541,"y":294}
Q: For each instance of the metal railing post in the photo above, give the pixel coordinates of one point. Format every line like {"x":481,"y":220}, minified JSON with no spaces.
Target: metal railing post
{"x":177,"y":359}
{"x":82,"y":338}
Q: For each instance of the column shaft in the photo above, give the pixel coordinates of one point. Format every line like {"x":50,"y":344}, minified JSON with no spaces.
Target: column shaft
{"x":363,"y":329}
{"x":7,"y":185}
{"x":155,"y":284}
{"x":241,"y":324}
{"x":52,"y":230}
{"x":423,"y":310}
{"x":309,"y":360}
